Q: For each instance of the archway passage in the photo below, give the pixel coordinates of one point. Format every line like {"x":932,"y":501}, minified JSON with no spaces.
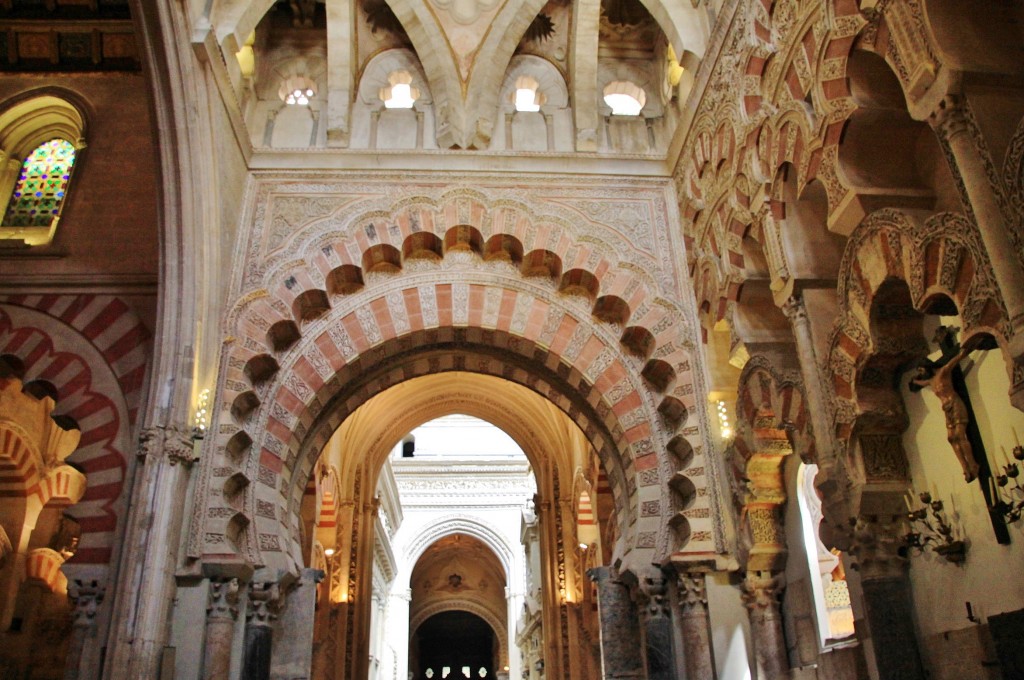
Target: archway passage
{"x":350,"y":485}
{"x":454,"y":644}
{"x":462,"y":580}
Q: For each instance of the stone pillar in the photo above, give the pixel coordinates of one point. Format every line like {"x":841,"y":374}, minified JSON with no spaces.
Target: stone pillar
{"x":656,"y":625}
{"x":761,"y":592}
{"x":86,"y":597}
{"x":221,"y":613}
{"x":887,"y":605}
{"x":146,"y":589}
{"x":694,"y":624}
{"x":951,"y":122}
{"x":264,"y":604}
{"x":620,"y":634}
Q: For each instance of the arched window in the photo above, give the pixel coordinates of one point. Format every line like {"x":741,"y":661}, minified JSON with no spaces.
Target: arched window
{"x":40,"y":140}
{"x":39,"y":192}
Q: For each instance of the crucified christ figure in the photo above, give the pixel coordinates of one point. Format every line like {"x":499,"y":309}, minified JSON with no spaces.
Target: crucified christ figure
{"x":939,"y":377}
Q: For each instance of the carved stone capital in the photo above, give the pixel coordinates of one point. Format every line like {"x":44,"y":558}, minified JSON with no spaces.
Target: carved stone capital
{"x":86,"y":598}
{"x":223,"y":602}
{"x":950,"y":117}
{"x":877,"y":548}
{"x":761,"y":590}
{"x":266,"y":600}
{"x":652,"y":595}
{"x":795,"y":310}
{"x":692,"y":592}
{"x":175,"y":443}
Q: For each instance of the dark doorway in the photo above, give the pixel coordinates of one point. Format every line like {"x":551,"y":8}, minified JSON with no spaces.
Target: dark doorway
{"x":453,"y":645}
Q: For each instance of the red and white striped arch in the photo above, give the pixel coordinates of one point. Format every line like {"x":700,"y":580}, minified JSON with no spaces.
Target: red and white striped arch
{"x":94,"y":350}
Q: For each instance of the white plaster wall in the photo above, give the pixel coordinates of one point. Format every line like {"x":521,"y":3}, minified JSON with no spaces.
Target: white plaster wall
{"x":991,"y":576}
{"x":730,"y":629}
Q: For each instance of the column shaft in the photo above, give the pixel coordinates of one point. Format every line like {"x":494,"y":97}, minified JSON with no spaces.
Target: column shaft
{"x":620,"y":634}
{"x":890,"y":617}
{"x":761,"y":597}
{"x":694,"y":624}
{"x":952,"y":123}
{"x":221,"y":613}
{"x":657,"y":627}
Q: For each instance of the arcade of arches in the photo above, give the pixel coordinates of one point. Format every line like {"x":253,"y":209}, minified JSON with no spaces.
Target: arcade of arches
{"x":738,"y":283}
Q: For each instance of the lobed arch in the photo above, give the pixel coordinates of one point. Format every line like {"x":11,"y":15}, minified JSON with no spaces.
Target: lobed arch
{"x":939,"y":257}
{"x":93,"y":350}
{"x":769,"y":388}
{"x":911,"y":264}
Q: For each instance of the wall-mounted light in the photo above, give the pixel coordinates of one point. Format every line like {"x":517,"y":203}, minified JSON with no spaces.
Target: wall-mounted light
{"x":201,"y":420}
{"x":329,"y":552}
{"x":723,"y":420}
{"x":936,"y":531}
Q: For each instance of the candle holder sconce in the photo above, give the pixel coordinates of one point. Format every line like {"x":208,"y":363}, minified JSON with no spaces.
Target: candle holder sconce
{"x":930,"y":528}
{"x":1008,"y":488}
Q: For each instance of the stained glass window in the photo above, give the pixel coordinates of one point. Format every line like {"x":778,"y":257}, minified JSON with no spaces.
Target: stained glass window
{"x":40,"y":189}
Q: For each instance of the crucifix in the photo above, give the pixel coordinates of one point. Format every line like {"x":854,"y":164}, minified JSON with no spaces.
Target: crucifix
{"x":945,"y":377}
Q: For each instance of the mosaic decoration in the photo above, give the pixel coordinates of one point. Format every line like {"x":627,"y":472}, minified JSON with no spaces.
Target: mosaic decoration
{"x":39,"y":193}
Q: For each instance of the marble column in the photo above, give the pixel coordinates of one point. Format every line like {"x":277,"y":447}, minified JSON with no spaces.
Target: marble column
{"x":221,"y":613}
{"x":885,"y":585}
{"x":656,"y":626}
{"x":761,"y":592}
{"x":86,"y":598}
{"x":620,"y":633}
{"x":694,"y":625}
{"x":264,"y":604}
{"x":952,"y":123}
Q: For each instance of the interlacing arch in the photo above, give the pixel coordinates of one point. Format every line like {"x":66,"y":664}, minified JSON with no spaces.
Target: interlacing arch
{"x":521,"y":299}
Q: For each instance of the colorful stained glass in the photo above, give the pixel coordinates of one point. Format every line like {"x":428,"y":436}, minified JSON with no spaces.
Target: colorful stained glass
{"x":41,"y":186}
